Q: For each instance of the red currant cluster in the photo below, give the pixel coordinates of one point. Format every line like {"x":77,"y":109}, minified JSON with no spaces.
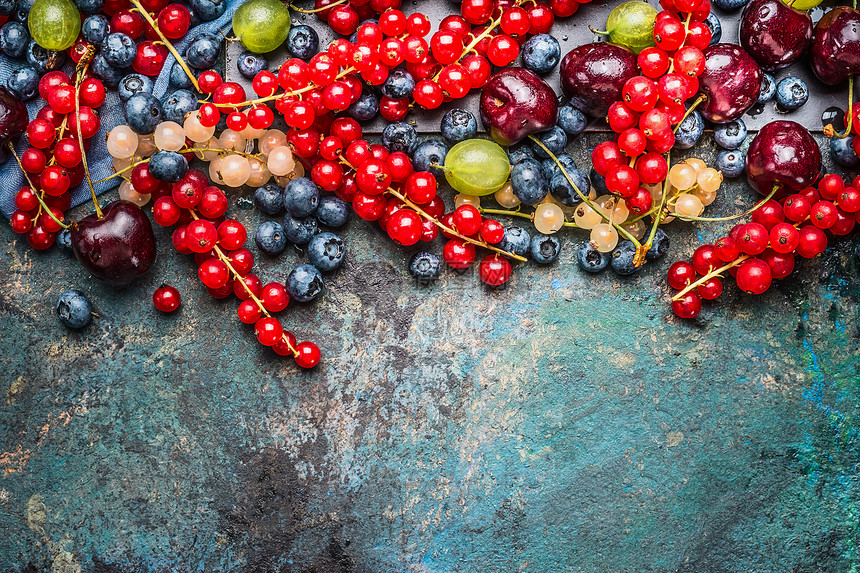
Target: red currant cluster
{"x":764,"y":249}
{"x":54,"y":162}
{"x":224,"y":265}
{"x":654,"y":102}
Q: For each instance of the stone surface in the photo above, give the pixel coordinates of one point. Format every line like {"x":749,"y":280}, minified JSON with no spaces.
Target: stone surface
{"x":566,"y":424}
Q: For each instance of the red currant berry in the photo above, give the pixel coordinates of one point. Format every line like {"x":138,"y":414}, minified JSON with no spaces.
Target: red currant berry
{"x":405,"y":227}
{"x":605,"y":156}
{"x":232,"y":234}
{"x":249,"y":312}
{"x":174,"y":20}
{"x":343,"y":19}
{"x":458,"y":254}
{"x":200,"y":236}
{"x":51,"y":81}
{"x":515,"y":22}
{"x":632,"y":142}
{"x":400,"y":166}
{"x":421,"y":187}
{"x":564,"y":8}
{"x":166,"y":298}
{"x":274,"y":297}
{"x":454,"y":81}
{"x":368,"y":207}
{"x":621,"y":117}
{"x":67,"y":152}
{"x":640,"y":93}
{"x":540,"y":17}
{"x":640,"y":202}
{"x":711,"y":289}
{"x":393,"y":110}
{"x":327,"y":174}
{"x":54,"y":180}
{"x":21,"y":221}
{"x":698,"y":35}
{"x":726,"y":249}
{"x":652,"y":168}
{"x":781,"y":264}
{"x":40,"y":133}
{"x":213,"y":273}
{"x":33,"y":160}
{"x":689,"y":61}
{"x":268,"y":331}
{"x":446,"y":46}
{"x":669,"y":34}
{"x":753,"y":238}
{"x":622,"y":180}
{"x":417,"y":24}
{"x":373,"y":176}
{"x":128,"y":22}
{"x":478,"y":70}
{"x":688,"y":306}
{"x":40,"y":238}
{"x":241,"y":260}
{"x":681,"y":273}
{"x":494,"y":270}
{"x":796,"y":208}
{"x":812,"y":241}
{"x":150,"y":58}
{"x":768,"y":214}
{"x":250,"y":284}
{"x":503,"y":50}
{"x":428,"y":94}
{"x":705,"y":259}
{"x":784,"y":238}
{"x":754,"y":276}
{"x":165,"y":212}
{"x":653,"y":62}
{"x":308,"y":354}
{"x":823,"y":214}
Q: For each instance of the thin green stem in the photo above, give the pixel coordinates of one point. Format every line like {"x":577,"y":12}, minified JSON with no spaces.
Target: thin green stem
{"x":167,"y":43}
{"x":528,"y":216}
{"x":81,"y":70}
{"x":315,"y":10}
{"x":767,"y":198}
{"x":690,"y":109}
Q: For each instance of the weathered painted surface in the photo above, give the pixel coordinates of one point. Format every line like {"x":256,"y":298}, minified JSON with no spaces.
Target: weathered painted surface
{"x":566,"y":424}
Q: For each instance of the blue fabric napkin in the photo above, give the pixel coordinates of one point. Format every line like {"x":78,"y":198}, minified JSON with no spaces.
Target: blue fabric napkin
{"x":111,"y":115}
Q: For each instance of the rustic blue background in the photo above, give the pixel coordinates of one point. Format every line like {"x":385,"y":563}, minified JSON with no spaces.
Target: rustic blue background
{"x":566,"y":424}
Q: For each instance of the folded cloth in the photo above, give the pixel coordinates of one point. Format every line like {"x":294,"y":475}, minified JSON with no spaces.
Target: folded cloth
{"x":111,"y":114}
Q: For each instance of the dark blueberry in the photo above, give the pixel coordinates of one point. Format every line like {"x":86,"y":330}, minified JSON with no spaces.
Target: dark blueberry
{"x":400,"y":136}
{"x":23,"y":83}
{"x":7,"y":7}
{"x":177,"y":104}
{"x":545,"y":249}
{"x":109,"y":75}
{"x":621,"y":258}
{"x":119,"y":50}
{"x":332,"y":212}
{"x":304,"y":283}
{"x":516,"y":240}
{"x":64,"y":242}
{"x":730,"y":135}
{"x":598,"y":181}
{"x":659,"y":246}
{"x":208,"y":10}
{"x":713,"y":23}
{"x":42,"y":60}
{"x":95,"y":29}
{"x":459,"y":125}
{"x":768,"y":88}
{"x":730,"y":5}
{"x":143,"y":113}
{"x":89,"y":6}
{"x":843,"y":153}
{"x":425,"y":267}
{"x":301,"y":197}
{"x":269,"y":198}
{"x":271,"y":238}
{"x":326,"y":251}
{"x":555,"y":139}
{"x":132,"y":84}
{"x":590,"y":259}
{"x":541,"y":53}
{"x":178,"y":78}
{"x":562,"y":190}
{"x":430,"y":156}
{"x":791,"y":93}
{"x":168,"y":166}
{"x":690,"y":131}
{"x":550,"y":167}
{"x":519,"y":154}
{"x":365,"y":108}
{"x":202,"y":53}
{"x":528,"y":182}
{"x":300,"y":231}
{"x":74,"y":309}
{"x":303,"y":42}
{"x":571,"y":120}
{"x":251,"y":64}
{"x":731,"y":163}
{"x":399,"y":84}
{"x":22,"y":10}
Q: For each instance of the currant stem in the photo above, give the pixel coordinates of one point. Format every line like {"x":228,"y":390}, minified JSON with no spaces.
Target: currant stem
{"x":315,"y":10}
{"x":694,"y":105}
{"x":184,"y":150}
{"x":81,"y":70}
{"x":639,"y":257}
{"x":709,"y":276}
{"x":273,"y":97}
{"x":530,"y":217}
{"x":829,"y":130}
{"x":767,"y":198}
{"x":485,"y":34}
{"x":42,"y":205}
{"x":167,"y":43}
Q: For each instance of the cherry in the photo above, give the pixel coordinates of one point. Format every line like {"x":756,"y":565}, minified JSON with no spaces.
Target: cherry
{"x":166,"y":298}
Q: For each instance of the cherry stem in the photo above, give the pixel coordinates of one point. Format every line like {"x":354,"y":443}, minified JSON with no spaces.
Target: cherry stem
{"x":238,"y":277}
{"x":273,"y":97}
{"x":167,"y":43}
{"x":42,"y":205}
{"x":700,"y":99}
{"x":829,"y":130}
{"x":315,"y":10}
{"x":80,"y":71}
{"x":517,"y":213}
{"x":600,"y":32}
{"x":714,"y":273}
{"x":624,"y":232}
{"x":755,"y":207}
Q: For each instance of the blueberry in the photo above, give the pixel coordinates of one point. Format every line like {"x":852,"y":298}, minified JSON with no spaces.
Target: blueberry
{"x":690,"y":131}
{"x":516,"y":240}
{"x":178,"y":78}
{"x":301,"y":197}
{"x":74,"y":309}
{"x":550,"y":167}
{"x":22,"y":10}
{"x":571,"y":120}
{"x":7,"y":7}
{"x":14,"y":39}
{"x":42,"y":60}
{"x":109,"y":75}
{"x":269,"y":198}
{"x":271,"y":238}
{"x":659,"y":246}
{"x":168,"y":166}
{"x":208,"y":10}
{"x":89,"y":6}
{"x":545,"y":249}
{"x":519,"y":154}
{"x":177,"y":104}
{"x":326,"y":251}
{"x":304,"y":283}
{"x":562,"y":190}
{"x":731,"y":163}
{"x":843,"y":153}
{"x":590,"y":259}
{"x":791,"y":93}
{"x":430,"y":156}
{"x":332,"y":212}
{"x":303,"y":42}
{"x":555,"y":139}
{"x":528,"y":182}
{"x":400,"y":136}
{"x":95,"y":29}
{"x":300,"y":231}
{"x":23,"y":83}
{"x":251,"y":64}
{"x":541,"y":53}
{"x":365,"y":107}
{"x":143,"y":113}
{"x":399,"y":84}
{"x":459,"y":125}
{"x":713,"y":23}
{"x":730,"y":135}
{"x":768,"y":88}
{"x":132,"y":84}
{"x":119,"y":50}
{"x":425,"y":267}
{"x":202,"y":52}
{"x":621,"y":258}
{"x":598,"y":181}
{"x":64,"y":242}
{"x":730,"y":5}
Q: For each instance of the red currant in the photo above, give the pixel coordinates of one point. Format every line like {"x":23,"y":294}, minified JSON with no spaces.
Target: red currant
{"x":166,"y":298}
